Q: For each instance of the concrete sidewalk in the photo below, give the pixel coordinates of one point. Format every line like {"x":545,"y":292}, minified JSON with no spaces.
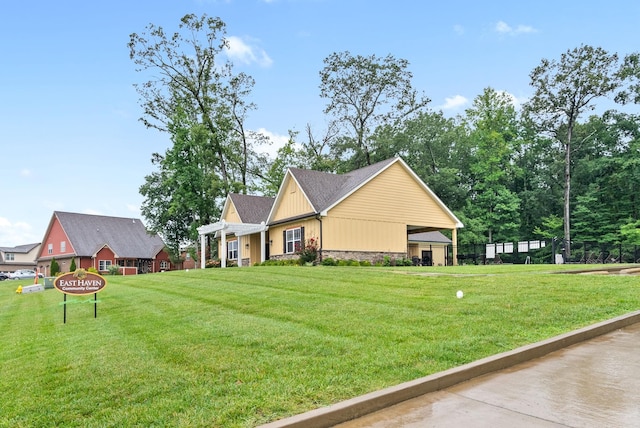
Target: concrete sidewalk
{"x":586,"y":378}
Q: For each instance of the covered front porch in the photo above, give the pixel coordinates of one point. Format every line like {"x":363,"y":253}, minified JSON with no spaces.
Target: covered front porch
{"x":417,"y":245}
{"x":240,"y":230}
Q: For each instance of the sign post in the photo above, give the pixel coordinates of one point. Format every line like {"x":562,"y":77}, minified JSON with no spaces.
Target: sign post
{"x":80,"y":283}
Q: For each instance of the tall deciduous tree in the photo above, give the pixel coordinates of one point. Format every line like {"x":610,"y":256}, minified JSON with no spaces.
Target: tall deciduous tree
{"x":492,"y":127}
{"x":193,"y":95}
{"x":182,"y":194}
{"x":563,"y":90}
{"x":364,"y":93}
{"x":430,"y":144}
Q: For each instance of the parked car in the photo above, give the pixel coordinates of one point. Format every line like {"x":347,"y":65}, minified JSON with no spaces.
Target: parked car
{"x":3,"y":276}
{"x":24,"y":274}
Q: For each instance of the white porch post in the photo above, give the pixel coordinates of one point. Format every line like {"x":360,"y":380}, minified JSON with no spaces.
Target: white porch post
{"x":203,"y":238}
{"x":454,"y":242}
{"x":262,"y":243}
{"x":240,"y":251}
{"x":223,"y":249}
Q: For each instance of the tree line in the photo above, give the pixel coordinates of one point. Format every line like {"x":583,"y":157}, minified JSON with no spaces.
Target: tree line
{"x":560,"y":165}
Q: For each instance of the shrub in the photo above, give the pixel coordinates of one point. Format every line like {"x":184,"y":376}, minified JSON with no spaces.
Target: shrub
{"x":113,"y":270}
{"x":55,"y":267}
{"x":72,"y":267}
{"x":365,"y":263}
{"x":92,"y":270}
{"x":212,"y":263}
{"x":282,"y":262}
{"x":309,"y":253}
{"x":328,"y":261}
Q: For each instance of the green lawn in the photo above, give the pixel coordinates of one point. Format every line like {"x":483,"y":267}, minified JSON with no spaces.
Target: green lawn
{"x":240,"y":347}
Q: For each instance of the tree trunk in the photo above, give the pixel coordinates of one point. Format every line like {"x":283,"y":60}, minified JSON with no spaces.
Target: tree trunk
{"x":567,"y":194}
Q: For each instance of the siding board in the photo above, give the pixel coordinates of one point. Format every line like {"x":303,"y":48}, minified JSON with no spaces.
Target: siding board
{"x":294,"y":202}
{"x":394,"y":196}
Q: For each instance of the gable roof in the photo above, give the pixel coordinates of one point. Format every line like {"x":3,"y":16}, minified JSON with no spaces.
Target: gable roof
{"x":126,"y":237}
{"x":22,"y":249}
{"x":251,"y":209}
{"x":324,"y":190}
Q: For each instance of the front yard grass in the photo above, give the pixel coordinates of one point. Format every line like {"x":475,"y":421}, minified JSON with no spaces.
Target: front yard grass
{"x":243,"y":346}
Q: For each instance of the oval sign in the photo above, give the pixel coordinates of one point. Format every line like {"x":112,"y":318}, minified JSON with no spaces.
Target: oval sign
{"x":80,"y":282}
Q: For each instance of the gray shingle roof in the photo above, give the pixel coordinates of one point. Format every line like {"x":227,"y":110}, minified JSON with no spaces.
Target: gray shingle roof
{"x":252,"y":209}
{"x":325,"y":189}
{"x":429,"y":237}
{"x":127,"y":237}
{"x":22,"y":249}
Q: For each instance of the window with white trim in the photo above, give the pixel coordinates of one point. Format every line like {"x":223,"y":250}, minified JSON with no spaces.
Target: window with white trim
{"x":293,"y":240}
{"x":9,"y":257}
{"x":50,"y":249}
{"x":63,"y":246}
{"x":232,"y":250}
{"x":164,"y":264}
{"x":103,"y":265}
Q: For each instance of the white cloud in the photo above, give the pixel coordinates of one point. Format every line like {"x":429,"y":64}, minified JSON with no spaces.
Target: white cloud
{"x":458,"y":29}
{"x":454,"y":102}
{"x":247,"y":52}
{"x":515,"y":101}
{"x":277,"y":141}
{"x":25,"y":172}
{"x":91,"y":211}
{"x":19,"y":233}
{"x":504,"y":28}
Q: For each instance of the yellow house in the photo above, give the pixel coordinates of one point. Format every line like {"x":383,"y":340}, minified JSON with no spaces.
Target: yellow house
{"x":365,"y":214}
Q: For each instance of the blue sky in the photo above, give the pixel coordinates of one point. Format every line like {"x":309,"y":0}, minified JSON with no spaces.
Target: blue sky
{"x":70,"y":138}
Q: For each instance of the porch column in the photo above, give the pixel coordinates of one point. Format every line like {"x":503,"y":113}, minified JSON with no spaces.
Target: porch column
{"x":223,"y":249}
{"x":262,"y":243}
{"x":203,"y":238}
{"x":454,"y":242}
{"x":240,"y":249}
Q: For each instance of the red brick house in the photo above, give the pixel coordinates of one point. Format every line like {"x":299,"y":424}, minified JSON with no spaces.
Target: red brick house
{"x":100,"y":242}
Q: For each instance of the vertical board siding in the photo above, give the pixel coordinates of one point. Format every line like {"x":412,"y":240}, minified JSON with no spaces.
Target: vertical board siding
{"x":293,"y":203}
{"x":394,"y":196}
{"x":254,"y":248}
{"x":232,"y":215}
{"x":349,"y":234}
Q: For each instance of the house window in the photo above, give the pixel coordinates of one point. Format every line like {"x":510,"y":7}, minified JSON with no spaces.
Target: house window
{"x":9,"y":257}
{"x":232,"y":250}
{"x":63,"y":246}
{"x":187,"y":256}
{"x":103,"y":265}
{"x":293,"y":240}
{"x":50,"y":249}
{"x":164,"y":264}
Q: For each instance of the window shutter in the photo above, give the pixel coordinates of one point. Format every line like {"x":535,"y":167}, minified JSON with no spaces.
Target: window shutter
{"x":284,"y":242}
{"x":302,"y":238}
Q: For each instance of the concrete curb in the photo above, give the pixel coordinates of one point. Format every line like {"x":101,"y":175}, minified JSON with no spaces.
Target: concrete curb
{"x":374,"y":401}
